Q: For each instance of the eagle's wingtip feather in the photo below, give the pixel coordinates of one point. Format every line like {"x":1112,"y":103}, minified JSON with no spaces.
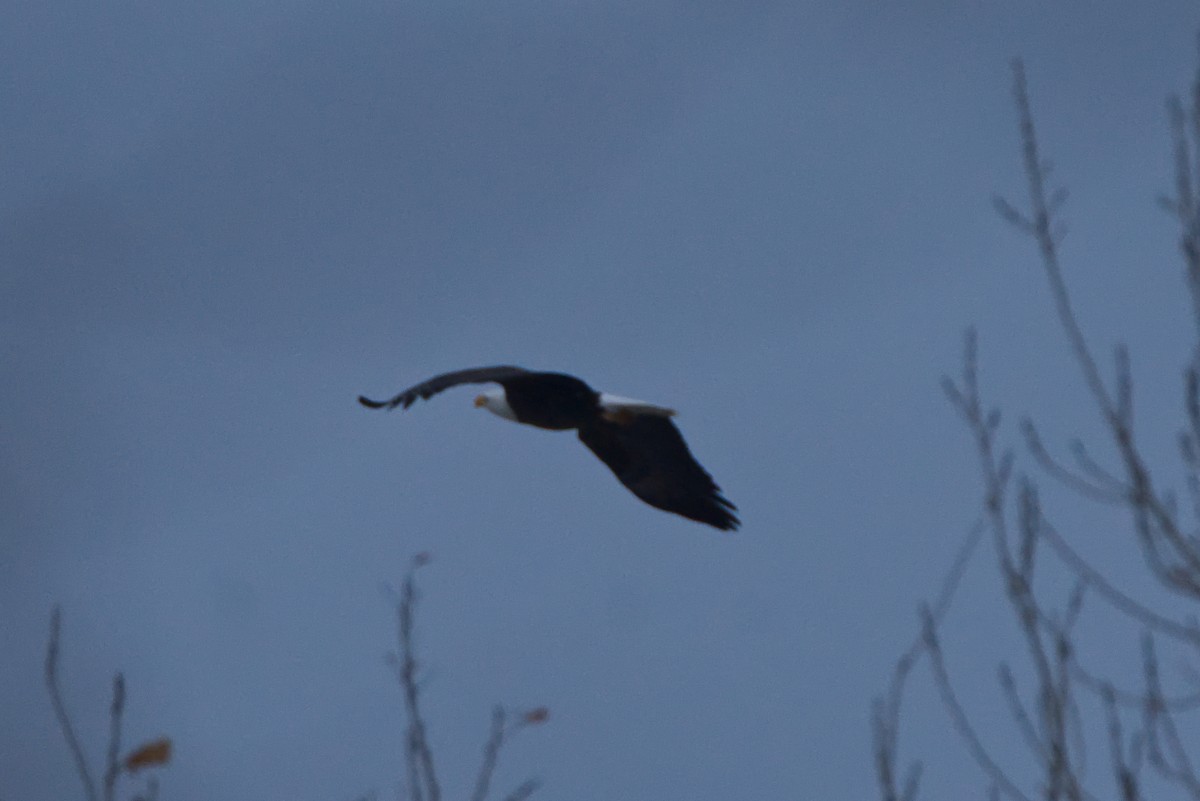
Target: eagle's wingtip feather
{"x":371,"y":404}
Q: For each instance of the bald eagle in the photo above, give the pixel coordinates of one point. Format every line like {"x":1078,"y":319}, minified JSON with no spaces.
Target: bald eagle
{"x":637,"y":440}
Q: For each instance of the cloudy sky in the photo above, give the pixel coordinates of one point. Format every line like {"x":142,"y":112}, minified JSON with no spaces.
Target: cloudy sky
{"x":220,"y":223}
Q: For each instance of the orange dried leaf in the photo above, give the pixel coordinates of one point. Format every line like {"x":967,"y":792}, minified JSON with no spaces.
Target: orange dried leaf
{"x":155,"y":752}
{"x":535,"y":716}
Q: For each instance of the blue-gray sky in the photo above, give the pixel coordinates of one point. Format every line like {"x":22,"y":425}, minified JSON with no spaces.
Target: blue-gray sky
{"x":218,"y":225}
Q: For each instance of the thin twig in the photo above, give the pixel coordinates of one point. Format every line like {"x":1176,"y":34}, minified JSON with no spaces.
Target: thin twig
{"x":1185,"y":204}
{"x":1017,"y":571}
{"x":1123,"y":772}
{"x":1036,"y":172}
{"x":423,"y":781}
{"x":1114,"y":596}
{"x":1049,"y":664}
{"x":113,"y":769}
{"x":60,"y":710}
{"x":1115,"y":493}
{"x":961,"y":722}
{"x":1097,"y":471}
{"x":151,"y":793}
{"x":886,"y":715}
{"x":491,"y":751}
{"x":523,"y":790}
{"x":1129,"y":699}
{"x":1156,"y":517}
{"x":1160,"y":726}
{"x":1016,"y":709}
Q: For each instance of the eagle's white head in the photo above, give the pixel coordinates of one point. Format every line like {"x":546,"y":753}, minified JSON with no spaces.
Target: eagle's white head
{"x":495,"y":402}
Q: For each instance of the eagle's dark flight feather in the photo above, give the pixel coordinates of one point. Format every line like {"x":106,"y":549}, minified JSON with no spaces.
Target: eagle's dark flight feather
{"x":439,"y":383}
{"x":649,"y":456}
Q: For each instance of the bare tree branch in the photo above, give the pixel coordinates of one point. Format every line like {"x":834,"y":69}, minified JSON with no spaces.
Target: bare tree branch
{"x":1103,"y":490}
{"x":1155,"y":519}
{"x":1048,"y":714}
{"x":491,"y":751}
{"x":60,"y":710}
{"x":1184,"y":204}
{"x":886,"y":710}
{"x":113,"y":768}
{"x":422,"y":777}
{"x":151,"y":793}
{"x":524,"y":790}
{"x":1126,"y":775}
{"x":962,"y":723}
{"x":1017,"y":709}
{"x":1143,"y":614}
{"x":1165,"y":750}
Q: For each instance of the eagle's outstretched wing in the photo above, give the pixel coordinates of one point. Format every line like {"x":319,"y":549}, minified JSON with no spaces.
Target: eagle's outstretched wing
{"x":647,"y":453}
{"x":427,"y":389}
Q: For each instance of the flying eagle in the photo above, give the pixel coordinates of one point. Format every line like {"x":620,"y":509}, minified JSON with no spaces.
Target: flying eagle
{"x":637,"y":440}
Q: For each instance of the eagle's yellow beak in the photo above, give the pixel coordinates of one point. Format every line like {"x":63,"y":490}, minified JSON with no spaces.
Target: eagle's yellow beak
{"x":480,"y":401}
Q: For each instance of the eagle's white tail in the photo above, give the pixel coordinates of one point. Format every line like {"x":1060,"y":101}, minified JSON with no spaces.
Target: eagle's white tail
{"x":615,"y":403}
